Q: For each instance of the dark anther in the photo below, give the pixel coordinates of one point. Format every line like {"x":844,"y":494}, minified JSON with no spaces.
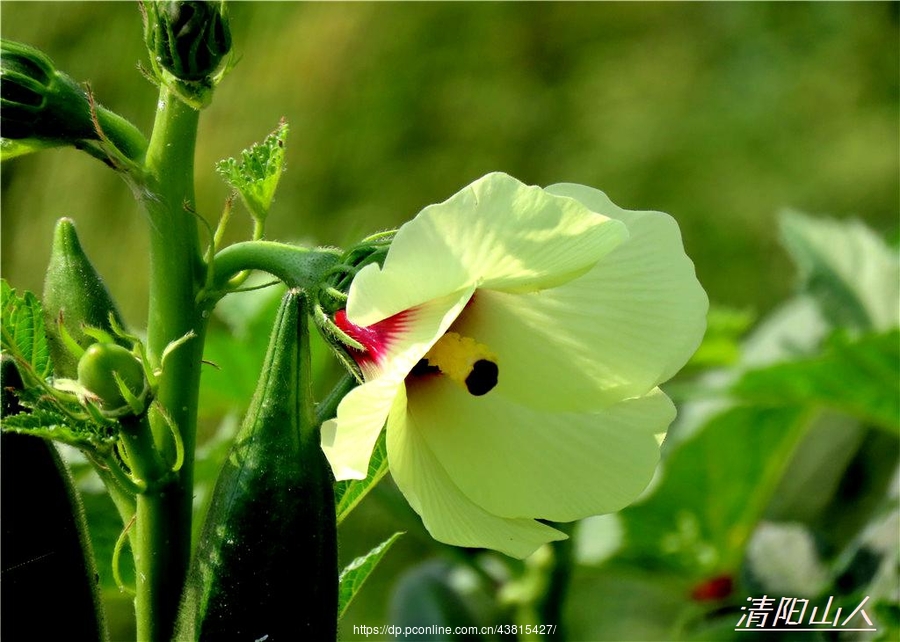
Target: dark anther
{"x":483,"y":377}
{"x":423,"y":368}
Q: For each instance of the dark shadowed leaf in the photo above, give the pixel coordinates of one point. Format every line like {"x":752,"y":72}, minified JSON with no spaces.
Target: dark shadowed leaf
{"x":357,"y":572}
{"x":348,"y":494}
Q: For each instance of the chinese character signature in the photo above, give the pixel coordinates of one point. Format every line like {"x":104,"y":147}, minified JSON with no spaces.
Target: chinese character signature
{"x":790,"y":615}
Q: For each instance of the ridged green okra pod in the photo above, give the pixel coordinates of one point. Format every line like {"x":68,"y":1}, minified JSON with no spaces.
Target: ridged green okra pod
{"x":47,"y":554}
{"x":266,"y":563}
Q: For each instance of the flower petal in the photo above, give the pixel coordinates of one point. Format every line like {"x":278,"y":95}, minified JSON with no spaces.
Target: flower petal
{"x":420,"y":327}
{"x":517,"y":462}
{"x":497,"y":233}
{"x":449,"y":515}
{"x":673,"y":302}
{"x":616,"y":332}
{"x":348,"y":439}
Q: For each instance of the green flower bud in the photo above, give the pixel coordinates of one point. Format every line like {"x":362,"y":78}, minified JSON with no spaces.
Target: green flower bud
{"x":73,"y":290}
{"x":100,"y":366}
{"x":40,"y":103}
{"x":187,"y":39}
{"x":37,"y":100}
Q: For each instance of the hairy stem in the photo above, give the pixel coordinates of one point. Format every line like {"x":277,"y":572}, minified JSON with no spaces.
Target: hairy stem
{"x":176,"y":274}
{"x":296,"y":266}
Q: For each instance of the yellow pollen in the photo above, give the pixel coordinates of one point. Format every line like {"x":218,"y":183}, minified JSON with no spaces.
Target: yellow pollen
{"x":456,"y":356}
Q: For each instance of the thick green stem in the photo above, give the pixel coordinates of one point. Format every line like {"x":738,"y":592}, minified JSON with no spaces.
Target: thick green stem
{"x":297,"y":266}
{"x":147,"y":466}
{"x":176,"y":275}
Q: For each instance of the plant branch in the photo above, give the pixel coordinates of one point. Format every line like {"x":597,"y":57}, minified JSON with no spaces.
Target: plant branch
{"x":177,"y":272}
{"x":297,"y":267}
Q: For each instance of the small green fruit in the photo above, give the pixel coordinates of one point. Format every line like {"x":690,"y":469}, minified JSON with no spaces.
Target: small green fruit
{"x":96,"y":370}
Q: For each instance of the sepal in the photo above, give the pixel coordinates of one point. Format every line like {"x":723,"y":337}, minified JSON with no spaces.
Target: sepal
{"x":331,"y":297}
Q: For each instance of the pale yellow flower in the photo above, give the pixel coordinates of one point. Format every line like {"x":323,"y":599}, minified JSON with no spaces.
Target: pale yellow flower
{"x":515,"y":338}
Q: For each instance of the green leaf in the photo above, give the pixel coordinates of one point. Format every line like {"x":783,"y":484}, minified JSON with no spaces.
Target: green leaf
{"x":721,"y":343}
{"x":857,"y":377}
{"x":23,"y":333}
{"x":255,"y":176}
{"x":713,"y":490}
{"x":347,"y":494}
{"x":36,"y":410}
{"x":852,"y":273}
{"x":812,"y":481}
{"x":861,"y":479}
{"x":357,"y":572}
{"x":47,"y":423}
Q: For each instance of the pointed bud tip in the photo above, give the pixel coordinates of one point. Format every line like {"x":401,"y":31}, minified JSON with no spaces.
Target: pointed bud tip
{"x":65,"y":237}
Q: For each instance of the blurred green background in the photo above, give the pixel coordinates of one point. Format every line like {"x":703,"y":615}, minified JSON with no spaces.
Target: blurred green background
{"x":720,"y":114}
